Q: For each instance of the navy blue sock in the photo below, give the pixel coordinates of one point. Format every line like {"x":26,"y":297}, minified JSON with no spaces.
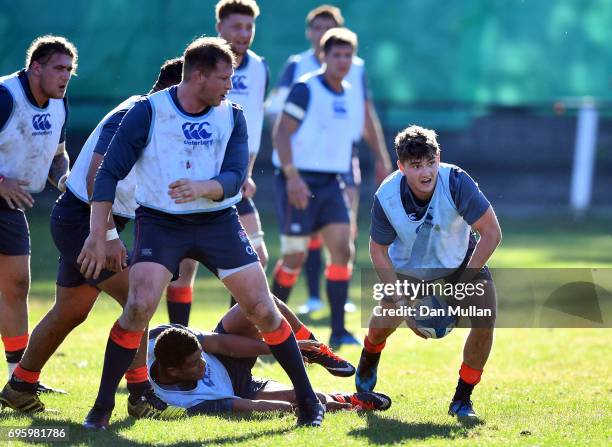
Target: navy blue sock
{"x":14,"y":356}
{"x":117,"y":360}
{"x":312,"y":271}
{"x":178,"y":313}
{"x":288,"y":355}
{"x":281,"y":292}
{"x":463,"y":391}
{"x":138,"y":388}
{"x":337,"y":292}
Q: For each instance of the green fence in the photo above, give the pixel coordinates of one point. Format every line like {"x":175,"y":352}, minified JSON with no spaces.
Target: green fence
{"x":428,"y":54}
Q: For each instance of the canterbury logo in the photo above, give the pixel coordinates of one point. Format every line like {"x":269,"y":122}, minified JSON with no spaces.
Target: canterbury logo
{"x":238,"y":82}
{"x":40,"y":121}
{"x":339,"y":108}
{"x":196,"y":131}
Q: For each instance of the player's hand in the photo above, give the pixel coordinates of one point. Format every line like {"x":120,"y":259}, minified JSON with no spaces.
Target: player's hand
{"x":185,"y":190}
{"x":309,"y":345}
{"x":298,"y":192}
{"x":412,"y":325}
{"x":401,"y":301}
{"x":93,"y":256}
{"x":116,"y":255}
{"x":381,"y":171}
{"x":16,"y":197}
{"x":249,"y":188}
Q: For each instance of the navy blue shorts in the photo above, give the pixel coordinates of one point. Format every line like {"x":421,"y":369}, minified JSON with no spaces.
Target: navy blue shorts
{"x":239,"y":370}
{"x":352,"y":179}
{"x":326,"y":206}
{"x":69,"y":229}
{"x":14,"y":231}
{"x":246,"y":206}
{"x":216,"y":239}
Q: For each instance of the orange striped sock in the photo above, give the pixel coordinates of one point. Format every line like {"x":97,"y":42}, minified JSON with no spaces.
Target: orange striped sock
{"x":26,"y":375}
{"x":279,"y":335}
{"x":303,"y":333}
{"x":470,"y":375}
{"x":373,"y":348}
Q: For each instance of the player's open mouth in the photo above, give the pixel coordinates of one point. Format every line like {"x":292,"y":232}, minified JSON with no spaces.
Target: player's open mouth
{"x":426,"y":181}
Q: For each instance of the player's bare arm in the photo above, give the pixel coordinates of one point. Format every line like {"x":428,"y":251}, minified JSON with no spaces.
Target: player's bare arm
{"x":375,"y":138}
{"x":94,"y":165}
{"x":238,"y":346}
{"x":16,"y":197}
{"x":249,"y":188}
{"x":116,"y":253}
{"x":58,"y":172}
{"x":297,"y":189}
{"x":488,"y":228}
{"x":93,"y":254}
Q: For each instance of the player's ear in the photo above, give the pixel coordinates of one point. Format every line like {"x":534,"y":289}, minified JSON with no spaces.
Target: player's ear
{"x":35,"y":67}
{"x":172,"y":371}
{"x":219,"y":27}
{"x":400,"y":166}
{"x":198,"y":75}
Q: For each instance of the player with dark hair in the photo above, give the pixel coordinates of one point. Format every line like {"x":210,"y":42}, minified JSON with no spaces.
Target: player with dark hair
{"x":313,"y":140}
{"x":33,"y":115}
{"x":208,"y":373}
{"x":423,"y":222}
{"x":75,"y":295}
{"x":318,"y":21}
{"x":188,"y":146}
{"x":236,"y":24}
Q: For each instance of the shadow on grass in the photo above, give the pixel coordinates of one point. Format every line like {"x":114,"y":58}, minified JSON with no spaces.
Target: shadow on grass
{"x":382,"y":430}
{"x":111,"y":437}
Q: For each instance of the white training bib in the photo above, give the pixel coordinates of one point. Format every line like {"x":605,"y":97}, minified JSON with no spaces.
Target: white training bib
{"x":324,"y":140}
{"x":306,"y":63}
{"x":249,"y":90}
{"x":125,"y":202}
{"x":182,"y":146}
{"x":29,"y":139}
{"x":435,"y":245}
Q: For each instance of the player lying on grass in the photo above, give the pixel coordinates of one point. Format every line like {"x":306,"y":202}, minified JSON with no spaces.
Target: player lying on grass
{"x":211,"y":372}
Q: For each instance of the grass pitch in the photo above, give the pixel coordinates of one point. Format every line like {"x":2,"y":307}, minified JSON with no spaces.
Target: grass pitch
{"x":540,"y":386}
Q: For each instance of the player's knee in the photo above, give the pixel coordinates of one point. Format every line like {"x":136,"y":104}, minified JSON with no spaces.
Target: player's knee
{"x":262,"y":313}
{"x":18,"y":290}
{"x":75,"y":317}
{"x":139,"y":311}
{"x":141,"y":305}
{"x":343,"y":255}
{"x":294,"y":249}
